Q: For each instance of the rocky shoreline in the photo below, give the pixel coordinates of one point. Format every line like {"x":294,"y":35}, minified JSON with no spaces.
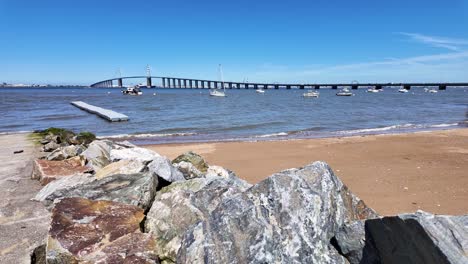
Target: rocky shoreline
{"x":113,"y":202}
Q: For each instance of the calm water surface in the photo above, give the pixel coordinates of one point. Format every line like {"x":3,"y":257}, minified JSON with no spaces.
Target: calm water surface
{"x":191,"y":115}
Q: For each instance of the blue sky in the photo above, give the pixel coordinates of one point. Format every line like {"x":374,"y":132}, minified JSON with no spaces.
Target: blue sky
{"x":85,"y":41}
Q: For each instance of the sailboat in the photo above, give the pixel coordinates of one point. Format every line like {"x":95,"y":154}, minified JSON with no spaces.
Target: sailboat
{"x":402,"y":90}
{"x":344,"y":92}
{"x":215,"y":92}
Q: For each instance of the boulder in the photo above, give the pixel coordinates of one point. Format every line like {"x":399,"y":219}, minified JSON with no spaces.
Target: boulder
{"x":134,"y":189}
{"x":98,"y":154}
{"x":448,"y":233}
{"x":62,"y":185}
{"x":67,"y":152}
{"x":188,"y":170}
{"x":162,"y":167}
{"x":49,"y":170}
{"x":80,"y":227}
{"x":121,"y":167}
{"x":182,"y":204}
{"x":51,"y":146}
{"x":130,"y":248}
{"x":289,"y":217}
{"x":408,"y":238}
{"x":140,"y":154}
{"x":196,"y":160}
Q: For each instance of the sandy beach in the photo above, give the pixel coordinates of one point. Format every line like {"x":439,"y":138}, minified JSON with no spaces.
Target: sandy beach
{"x":392,"y":173}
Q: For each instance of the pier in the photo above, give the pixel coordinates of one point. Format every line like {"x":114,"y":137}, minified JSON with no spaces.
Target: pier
{"x":107,"y":114}
{"x":188,"y":83}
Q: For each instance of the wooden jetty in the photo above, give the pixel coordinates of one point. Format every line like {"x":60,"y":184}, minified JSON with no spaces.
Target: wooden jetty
{"x":107,"y":114}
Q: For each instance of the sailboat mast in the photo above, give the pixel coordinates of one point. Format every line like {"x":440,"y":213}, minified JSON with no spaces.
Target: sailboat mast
{"x":222,"y":77}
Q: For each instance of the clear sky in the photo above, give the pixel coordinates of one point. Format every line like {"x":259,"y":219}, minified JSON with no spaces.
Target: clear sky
{"x":83,"y":41}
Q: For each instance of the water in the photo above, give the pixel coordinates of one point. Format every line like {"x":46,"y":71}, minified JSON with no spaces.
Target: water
{"x":191,"y":115}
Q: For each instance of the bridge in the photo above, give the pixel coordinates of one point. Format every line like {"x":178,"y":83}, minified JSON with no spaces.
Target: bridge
{"x":188,"y":83}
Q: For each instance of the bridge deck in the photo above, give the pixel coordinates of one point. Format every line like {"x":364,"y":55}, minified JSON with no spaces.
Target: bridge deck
{"x":101,"y":112}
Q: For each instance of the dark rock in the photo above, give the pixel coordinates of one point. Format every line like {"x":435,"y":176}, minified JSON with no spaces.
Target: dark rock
{"x":289,"y":217}
{"x":49,"y":170}
{"x":182,"y":204}
{"x":133,"y":189}
{"x":38,"y":256}
{"x":80,"y":227}
{"x":350,"y":241}
{"x":193,"y":158}
{"x":394,"y":240}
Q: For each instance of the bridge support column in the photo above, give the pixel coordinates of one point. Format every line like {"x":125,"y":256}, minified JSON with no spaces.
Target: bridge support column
{"x":148,"y":82}
{"x":378,"y":87}
{"x":407,"y":87}
{"x":185,"y":83}
{"x":316,"y":87}
{"x":301,"y":87}
{"x":334,"y":87}
{"x":442,"y":87}
{"x":119,"y":82}
{"x":265,"y":87}
{"x":354,"y":87}
{"x":179,"y":83}
{"x":288,"y":87}
{"x":163,"y":82}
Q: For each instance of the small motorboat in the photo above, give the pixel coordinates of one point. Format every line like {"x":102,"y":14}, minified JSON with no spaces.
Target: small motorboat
{"x":344,"y":92}
{"x":132,"y":90}
{"x":217,"y":93}
{"x":261,"y":91}
{"x":311,"y":94}
{"x":402,"y":90}
{"x":372,"y":90}
{"x":432,"y":91}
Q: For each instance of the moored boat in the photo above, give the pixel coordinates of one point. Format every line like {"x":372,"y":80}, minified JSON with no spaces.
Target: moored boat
{"x":311,"y":94}
{"x":344,"y":92}
{"x":132,"y":90}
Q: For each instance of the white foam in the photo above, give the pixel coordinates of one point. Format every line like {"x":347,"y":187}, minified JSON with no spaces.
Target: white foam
{"x":273,"y":135}
{"x":145,"y":135}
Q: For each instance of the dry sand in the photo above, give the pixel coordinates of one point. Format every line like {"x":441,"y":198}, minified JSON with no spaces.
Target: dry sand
{"x":391,"y":173}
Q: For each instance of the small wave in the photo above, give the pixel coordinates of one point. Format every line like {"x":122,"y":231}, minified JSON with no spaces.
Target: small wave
{"x":15,"y":132}
{"x":446,"y":125}
{"x":394,"y":127}
{"x":123,"y":136}
{"x":273,"y":135}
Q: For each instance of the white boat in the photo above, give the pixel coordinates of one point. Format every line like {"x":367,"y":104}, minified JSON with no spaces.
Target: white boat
{"x":132,"y":90}
{"x":432,"y":91}
{"x":260,"y":91}
{"x":344,"y":92}
{"x":372,"y":90}
{"x":402,"y":90}
{"x":216,"y":92}
{"x":311,"y":94}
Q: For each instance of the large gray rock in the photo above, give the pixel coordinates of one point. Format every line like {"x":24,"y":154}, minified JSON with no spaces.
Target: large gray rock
{"x":182,"y":204}
{"x":449,"y":233}
{"x":289,"y":217}
{"x":140,"y":154}
{"x":66,"y":152}
{"x":98,"y":153}
{"x":188,"y":170}
{"x":134,"y":189}
{"x":162,"y":167}
{"x":409,"y":238}
{"x":62,"y":185}
{"x":193,"y":158}
{"x":121,"y":167}
{"x":51,"y":146}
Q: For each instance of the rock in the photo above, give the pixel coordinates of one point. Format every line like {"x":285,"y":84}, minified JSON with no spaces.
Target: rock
{"x":162,"y":167}
{"x":67,"y":152}
{"x":448,"y":233}
{"x":130,"y":248}
{"x":193,"y":158}
{"x":79,"y":227}
{"x":188,"y":170}
{"x":49,"y":170}
{"x":63,"y":185}
{"x":121,"y":167}
{"x":394,"y":240}
{"x":409,"y":238}
{"x":350,"y":240}
{"x":289,"y":217}
{"x":140,"y":154}
{"x":98,"y":154}
{"x":134,"y":189}
{"x":38,"y":255}
{"x":182,"y":204}
{"x":51,"y":146}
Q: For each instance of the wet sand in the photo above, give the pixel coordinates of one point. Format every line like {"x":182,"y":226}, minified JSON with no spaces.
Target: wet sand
{"x":391,"y":173}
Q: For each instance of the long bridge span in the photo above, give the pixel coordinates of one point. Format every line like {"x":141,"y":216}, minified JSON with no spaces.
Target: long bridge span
{"x":187,"y":83}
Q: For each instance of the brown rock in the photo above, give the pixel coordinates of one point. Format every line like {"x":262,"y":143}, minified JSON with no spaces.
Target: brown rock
{"x":81,"y":227}
{"x":131,"y":248}
{"x":49,"y":170}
